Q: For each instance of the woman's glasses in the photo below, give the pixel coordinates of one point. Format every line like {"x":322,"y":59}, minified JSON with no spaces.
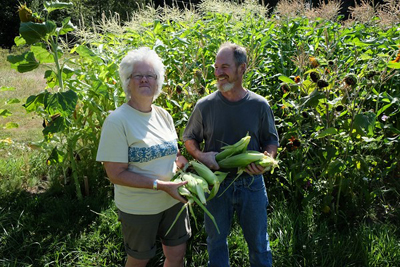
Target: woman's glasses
{"x":139,"y":77}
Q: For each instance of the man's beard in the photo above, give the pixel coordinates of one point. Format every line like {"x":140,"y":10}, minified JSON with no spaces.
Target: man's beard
{"x":225,"y":87}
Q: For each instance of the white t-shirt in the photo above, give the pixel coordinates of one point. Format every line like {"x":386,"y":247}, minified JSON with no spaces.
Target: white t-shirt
{"x":148,"y":142}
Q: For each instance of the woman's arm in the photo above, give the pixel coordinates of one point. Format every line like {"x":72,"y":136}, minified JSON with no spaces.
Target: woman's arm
{"x":118,"y":173}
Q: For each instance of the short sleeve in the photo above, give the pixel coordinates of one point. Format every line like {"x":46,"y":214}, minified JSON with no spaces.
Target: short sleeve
{"x":194,"y":128}
{"x":269,"y":134}
{"x":113,"y":145}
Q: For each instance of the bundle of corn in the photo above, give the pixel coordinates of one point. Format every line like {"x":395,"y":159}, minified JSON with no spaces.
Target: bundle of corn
{"x":231,"y":150}
{"x":237,"y":156}
{"x":242,"y":160}
{"x":198,"y":185}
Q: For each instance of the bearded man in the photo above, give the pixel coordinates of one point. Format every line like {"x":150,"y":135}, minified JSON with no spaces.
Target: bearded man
{"x":223,"y":118}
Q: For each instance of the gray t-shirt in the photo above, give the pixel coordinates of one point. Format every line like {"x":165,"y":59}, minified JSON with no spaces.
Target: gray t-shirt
{"x":219,"y":122}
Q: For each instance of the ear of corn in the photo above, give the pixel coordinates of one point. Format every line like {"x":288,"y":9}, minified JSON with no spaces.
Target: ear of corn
{"x":194,"y":192}
{"x":241,"y":160}
{"x":231,"y":150}
{"x":268,"y":162}
{"x":196,"y":185}
{"x":204,"y":172}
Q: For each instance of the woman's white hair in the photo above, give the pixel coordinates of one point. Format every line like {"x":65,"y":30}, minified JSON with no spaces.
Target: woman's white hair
{"x":139,"y":55}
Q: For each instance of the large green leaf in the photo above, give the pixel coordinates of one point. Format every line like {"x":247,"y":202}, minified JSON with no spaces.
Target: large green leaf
{"x":326,"y":132}
{"x":34,"y":32}
{"x":34,"y":102}
{"x":19,"y":41}
{"x":23,"y":63}
{"x":50,"y":6}
{"x":11,"y":125}
{"x":312,"y":100}
{"x":55,"y":126}
{"x":365,"y":123}
{"x":12,"y":101}
{"x":286,"y":79}
{"x":394,"y":65}
{"x":56,"y":156}
{"x":42,"y":54}
{"x":5,"y":113}
{"x":63,"y":103}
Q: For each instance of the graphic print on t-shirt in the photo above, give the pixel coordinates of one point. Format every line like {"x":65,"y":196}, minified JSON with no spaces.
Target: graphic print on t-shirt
{"x":146,"y":154}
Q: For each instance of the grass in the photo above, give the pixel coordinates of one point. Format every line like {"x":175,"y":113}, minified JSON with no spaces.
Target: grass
{"x":52,"y":228}
{"x":25,"y":84}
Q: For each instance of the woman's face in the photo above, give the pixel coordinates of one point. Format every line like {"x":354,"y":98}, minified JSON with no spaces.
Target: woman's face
{"x":143,"y":80}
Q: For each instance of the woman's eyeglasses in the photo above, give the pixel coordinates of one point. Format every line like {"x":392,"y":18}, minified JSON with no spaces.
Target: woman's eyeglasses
{"x":139,"y":77}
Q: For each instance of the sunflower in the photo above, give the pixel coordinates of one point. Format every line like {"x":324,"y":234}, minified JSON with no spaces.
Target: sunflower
{"x":314,"y":62}
{"x":25,"y":14}
{"x":397,"y":57}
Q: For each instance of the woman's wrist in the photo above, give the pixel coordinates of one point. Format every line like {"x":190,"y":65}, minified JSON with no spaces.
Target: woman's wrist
{"x":155,"y":184}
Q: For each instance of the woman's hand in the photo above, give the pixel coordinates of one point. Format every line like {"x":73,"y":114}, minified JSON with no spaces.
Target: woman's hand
{"x":171,"y":188}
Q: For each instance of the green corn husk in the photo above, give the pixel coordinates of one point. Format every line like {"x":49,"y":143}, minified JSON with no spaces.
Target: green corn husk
{"x":203,"y":171}
{"x":241,"y":160}
{"x":190,"y":190}
{"x":231,"y":150}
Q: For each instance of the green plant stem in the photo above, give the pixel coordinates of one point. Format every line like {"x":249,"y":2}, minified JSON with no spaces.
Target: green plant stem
{"x":54,"y":48}
{"x":74,"y":171}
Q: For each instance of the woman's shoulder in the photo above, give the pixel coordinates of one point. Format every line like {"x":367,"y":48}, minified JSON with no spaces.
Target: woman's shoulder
{"x":116,"y":115}
{"x":161,"y":111}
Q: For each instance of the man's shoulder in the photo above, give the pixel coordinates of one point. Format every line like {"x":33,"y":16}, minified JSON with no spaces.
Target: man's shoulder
{"x":256,"y":97}
{"x":208,"y":98}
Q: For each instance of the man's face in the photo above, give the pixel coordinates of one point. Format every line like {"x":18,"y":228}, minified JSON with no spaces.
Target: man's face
{"x":226,"y":71}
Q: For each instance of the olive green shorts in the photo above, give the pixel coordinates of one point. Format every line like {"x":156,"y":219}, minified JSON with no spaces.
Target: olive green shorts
{"x":140,"y":232}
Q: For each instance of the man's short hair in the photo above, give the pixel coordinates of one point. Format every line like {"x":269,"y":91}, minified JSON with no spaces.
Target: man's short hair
{"x":239,"y":52}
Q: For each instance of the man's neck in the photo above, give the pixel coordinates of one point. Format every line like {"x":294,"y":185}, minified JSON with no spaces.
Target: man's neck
{"x":235,"y":94}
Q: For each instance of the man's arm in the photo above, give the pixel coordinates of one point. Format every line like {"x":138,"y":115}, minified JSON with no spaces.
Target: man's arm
{"x":208,"y":158}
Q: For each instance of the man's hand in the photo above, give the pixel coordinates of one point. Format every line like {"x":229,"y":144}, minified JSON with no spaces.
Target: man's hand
{"x":254,"y":169}
{"x":208,"y":158}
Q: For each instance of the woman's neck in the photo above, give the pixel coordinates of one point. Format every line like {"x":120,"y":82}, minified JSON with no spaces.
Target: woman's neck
{"x":143,"y":105}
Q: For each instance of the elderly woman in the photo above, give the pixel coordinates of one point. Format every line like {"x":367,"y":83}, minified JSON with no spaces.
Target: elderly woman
{"x":138,"y":147}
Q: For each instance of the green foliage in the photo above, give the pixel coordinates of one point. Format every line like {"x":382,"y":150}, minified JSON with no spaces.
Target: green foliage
{"x":339,"y":130}
{"x":335,"y":120}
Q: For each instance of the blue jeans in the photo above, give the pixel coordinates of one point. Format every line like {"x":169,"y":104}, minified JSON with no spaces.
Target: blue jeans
{"x":249,"y":199}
